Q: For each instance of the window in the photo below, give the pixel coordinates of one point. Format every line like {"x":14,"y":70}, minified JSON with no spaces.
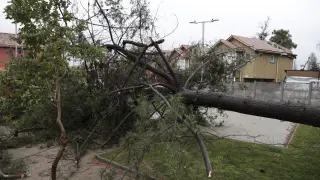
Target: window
{"x":272,"y":59}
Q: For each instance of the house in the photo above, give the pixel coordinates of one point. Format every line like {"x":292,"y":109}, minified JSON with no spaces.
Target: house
{"x":302,"y":76}
{"x":180,"y":57}
{"x":7,"y":48}
{"x":266,"y":61}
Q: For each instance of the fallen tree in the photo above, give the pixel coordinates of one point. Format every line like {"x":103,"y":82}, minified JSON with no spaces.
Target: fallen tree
{"x":121,"y":68}
{"x":291,"y":112}
{"x":285,"y":111}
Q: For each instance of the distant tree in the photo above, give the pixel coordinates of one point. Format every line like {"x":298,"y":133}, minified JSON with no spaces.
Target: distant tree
{"x":313,"y":62}
{"x":264,"y":33}
{"x":283,"y":38}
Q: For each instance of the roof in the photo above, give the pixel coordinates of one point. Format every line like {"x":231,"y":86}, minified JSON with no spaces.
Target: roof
{"x":6,"y":40}
{"x":227,"y":43}
{"x":261,"y":45}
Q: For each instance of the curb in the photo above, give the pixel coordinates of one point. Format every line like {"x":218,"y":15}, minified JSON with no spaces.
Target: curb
{"x":117,"y":165}
{"x":291,"y":134}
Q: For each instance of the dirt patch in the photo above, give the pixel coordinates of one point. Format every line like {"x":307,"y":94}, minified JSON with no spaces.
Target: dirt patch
{"x":38,"y":160}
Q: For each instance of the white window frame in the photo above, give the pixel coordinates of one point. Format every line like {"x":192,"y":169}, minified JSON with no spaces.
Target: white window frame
{"x":273,"y":59}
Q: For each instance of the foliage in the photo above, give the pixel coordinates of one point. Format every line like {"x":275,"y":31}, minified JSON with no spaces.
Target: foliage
{"x":165,"y":133}
{"x":264,"y":29}
{"x":313,"y":62}
{"x":53,"y":37}
{"x":283,"y":38}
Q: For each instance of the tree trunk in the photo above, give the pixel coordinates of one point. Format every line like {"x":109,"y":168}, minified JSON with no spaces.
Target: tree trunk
{"x":292,"y":112}
{"x":63,"y":137}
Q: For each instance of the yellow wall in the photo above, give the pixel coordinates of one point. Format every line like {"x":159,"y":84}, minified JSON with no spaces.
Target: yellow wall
{"x":261,"y":68}
{"x":285,"y":63}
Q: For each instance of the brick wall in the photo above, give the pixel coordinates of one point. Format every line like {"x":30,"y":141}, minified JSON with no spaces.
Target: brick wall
{"x":5,"y":55}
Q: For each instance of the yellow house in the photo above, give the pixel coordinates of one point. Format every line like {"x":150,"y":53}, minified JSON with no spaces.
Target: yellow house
{"x":266,"y":61}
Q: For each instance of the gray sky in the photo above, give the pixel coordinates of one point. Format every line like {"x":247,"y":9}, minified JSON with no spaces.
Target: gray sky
{"x":237,"y":17}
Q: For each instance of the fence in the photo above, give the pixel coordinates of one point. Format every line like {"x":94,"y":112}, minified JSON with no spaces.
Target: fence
{"x":284,"y":92}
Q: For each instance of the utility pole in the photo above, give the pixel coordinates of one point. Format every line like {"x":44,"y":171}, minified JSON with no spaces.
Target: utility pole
{"x":16,"y":48}
{"x":203,"y":26}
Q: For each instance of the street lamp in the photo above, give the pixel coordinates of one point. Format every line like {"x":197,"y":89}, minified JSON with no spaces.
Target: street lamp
{"x":203,"y":23}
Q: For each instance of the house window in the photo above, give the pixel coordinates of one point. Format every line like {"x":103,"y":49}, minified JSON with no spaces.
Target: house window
{"x":272,"y":59}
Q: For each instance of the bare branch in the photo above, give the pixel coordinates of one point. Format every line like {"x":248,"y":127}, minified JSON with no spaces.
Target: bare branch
{"x":108,"y":22}
{"x":135,"y":64}
{"x":199,"y":68}
{"x":141,"y":63}
{"x":173,"y":29}
{"x":200,"y":141}
{"x":167,"y":64}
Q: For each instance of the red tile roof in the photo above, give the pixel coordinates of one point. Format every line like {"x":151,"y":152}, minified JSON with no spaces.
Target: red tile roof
{"x":261,"y":45}
{"x":6,"y":40}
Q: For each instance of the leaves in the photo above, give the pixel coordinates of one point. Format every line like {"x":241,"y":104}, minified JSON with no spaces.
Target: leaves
{"x":283,"y":38}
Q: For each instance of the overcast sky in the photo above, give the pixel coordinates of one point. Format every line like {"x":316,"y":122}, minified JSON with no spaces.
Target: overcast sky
{"x":237,"y":17}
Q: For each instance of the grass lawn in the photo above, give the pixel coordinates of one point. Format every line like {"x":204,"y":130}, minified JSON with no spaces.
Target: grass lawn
{"x":240,"y":160}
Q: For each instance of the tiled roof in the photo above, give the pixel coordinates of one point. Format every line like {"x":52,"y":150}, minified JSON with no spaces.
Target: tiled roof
{"x":261,"y":45}
{"x":6,"y":40}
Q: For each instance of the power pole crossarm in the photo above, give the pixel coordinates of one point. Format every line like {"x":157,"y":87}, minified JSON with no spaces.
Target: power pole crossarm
{"x":203,"y":26}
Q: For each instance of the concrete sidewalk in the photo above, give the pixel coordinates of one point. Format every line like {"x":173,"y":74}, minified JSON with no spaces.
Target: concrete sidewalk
{"x":251,"y":128}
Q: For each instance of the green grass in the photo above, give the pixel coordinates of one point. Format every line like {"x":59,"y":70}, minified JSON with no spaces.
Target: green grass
{"x":237,"y":160}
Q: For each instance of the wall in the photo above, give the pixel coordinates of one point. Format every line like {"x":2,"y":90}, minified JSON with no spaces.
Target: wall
{"x":285,"y":63}
{"x":261,"y":67}
{"x":4,"y":56}
{"x":271,"y":91}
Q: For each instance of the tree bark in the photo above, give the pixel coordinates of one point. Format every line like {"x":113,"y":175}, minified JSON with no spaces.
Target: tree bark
{"x":205,"y":154}
{"x":63,"y":137}
{"x":292,"y":112}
